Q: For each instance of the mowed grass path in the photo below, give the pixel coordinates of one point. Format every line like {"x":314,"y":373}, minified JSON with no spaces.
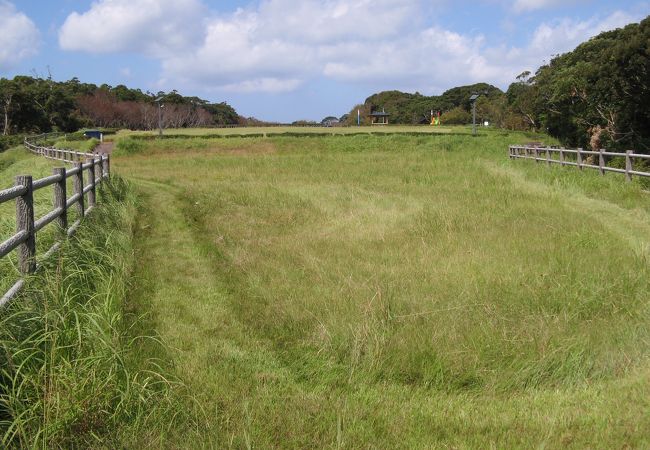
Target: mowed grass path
{"x":395,"y":292}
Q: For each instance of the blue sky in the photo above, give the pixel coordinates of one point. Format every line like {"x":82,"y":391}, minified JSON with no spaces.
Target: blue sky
{"x":289,"y":59}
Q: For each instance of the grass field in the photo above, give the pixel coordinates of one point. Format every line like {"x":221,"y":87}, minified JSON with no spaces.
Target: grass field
{"x":302,"y":130}
{"x":394,"y":292}
{"x":376,"y":292}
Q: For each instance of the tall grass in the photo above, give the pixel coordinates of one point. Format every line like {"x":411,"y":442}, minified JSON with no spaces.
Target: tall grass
{"x":68,"y":375}
{"x":397,"y":291}
{"x":83,"y":145}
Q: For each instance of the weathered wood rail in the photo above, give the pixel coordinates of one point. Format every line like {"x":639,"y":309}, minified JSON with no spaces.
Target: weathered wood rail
{"x":86,"y":166}
{"x":577,"y":158}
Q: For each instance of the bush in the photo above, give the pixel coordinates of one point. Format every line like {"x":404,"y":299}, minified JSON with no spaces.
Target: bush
{"x":456,"y":116}
{"x":10,"y":141}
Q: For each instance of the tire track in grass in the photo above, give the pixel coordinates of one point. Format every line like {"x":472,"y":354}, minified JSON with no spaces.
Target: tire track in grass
{"x":252,"y":399}
{"x":219,"y":359}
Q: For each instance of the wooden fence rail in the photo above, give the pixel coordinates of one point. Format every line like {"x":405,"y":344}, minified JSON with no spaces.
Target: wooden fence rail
{"x":96,"y":168}
{"x":534,"y":152}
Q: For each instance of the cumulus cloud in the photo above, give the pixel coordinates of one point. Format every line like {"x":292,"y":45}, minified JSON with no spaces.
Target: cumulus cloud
{"x":258,"y":50}
{"x":274,"y":47}
{"x":531,"y":5}
{"x":278,"y":45}
{"x":153,"y":27}
{"x":19,"y":37}
{"x":565,"y":34}
{"x":326,"y":21}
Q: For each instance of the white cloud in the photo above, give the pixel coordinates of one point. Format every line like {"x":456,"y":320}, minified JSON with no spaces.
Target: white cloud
{"x":531,"y":5}
{"x":278,"y":45}
{"x":256,"y":49}
{"x":19,"y":37}
{"x":327,"y":21}
{"x":154,"y":27}
{"x":564,"y":35}
{"x":275,"y":85}
{"x":259,"y":55}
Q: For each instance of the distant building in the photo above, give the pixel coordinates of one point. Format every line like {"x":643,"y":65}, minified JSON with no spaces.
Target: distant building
{"x":379,"y":117}
{"x":94,"y":134}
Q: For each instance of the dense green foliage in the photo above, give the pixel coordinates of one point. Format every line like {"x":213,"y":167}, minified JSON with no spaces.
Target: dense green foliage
{"x":416,"y":108}
{"x":599,"y":94}
{"x":29,"y":104}
{"x":10,"y":141}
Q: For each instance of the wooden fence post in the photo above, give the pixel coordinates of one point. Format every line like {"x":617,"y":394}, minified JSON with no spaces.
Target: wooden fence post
{"x":536,"y":155}
{"x":99,"y":171}
{"x":601,"y":162}
{"x":91,"y":182}
{"x":78,"y":185}
{"x":107,"y":166}
{"x":628,"y":165}
{"x":60,"y":198}
{"x":579,"y":158}
{"x":548,"y":156}
{"x":25,"y":222}
{"x":561,"y":156}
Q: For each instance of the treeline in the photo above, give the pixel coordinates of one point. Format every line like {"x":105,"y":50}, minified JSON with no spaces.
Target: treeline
{"x":405,"y":108}
{"x":597,"y":96}
{"x":33,"y":105}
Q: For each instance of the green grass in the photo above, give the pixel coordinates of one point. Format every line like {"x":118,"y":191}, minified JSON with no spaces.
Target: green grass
{"x":13,"y":162}
{"x":84,"y":145}
{"x":18,"y":161}
{"x":395,"y":292}
{"x":425,"y":129}
{"x":75,"y":369}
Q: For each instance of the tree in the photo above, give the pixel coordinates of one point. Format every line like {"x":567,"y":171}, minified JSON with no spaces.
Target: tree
{"x":522,"y":98}
{"x":7,"y":92}
{"x":360,"y":111}
{"x":456,"y":116}
{"x":599,"y":93}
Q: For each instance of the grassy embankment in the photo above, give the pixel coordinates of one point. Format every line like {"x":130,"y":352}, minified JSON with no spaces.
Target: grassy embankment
{"x":82,"y":145}
{"x":72,"y":371}
{"x":395,"y":292}
{"x":199,"y":132}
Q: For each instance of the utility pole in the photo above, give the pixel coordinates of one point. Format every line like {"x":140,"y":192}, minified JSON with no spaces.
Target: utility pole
{"x":474,"y":118}
{"x":473,"y":99}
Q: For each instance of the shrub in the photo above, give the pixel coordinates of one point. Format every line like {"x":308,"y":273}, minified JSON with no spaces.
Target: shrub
{"x":10,"y":141}
{"x":456,"y":116}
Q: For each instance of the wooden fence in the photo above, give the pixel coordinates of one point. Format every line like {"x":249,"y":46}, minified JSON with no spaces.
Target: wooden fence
{"x":578,"y":157}
{"x":96,"y":169}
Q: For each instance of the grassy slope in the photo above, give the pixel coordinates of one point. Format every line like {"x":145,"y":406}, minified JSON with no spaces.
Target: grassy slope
{"x":85,"y":145}
{"x":396,"y":292}
{"x":302,"y":130}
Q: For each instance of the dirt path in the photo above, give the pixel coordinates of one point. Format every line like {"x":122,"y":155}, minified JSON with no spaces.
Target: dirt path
{"x":104,"y":148}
